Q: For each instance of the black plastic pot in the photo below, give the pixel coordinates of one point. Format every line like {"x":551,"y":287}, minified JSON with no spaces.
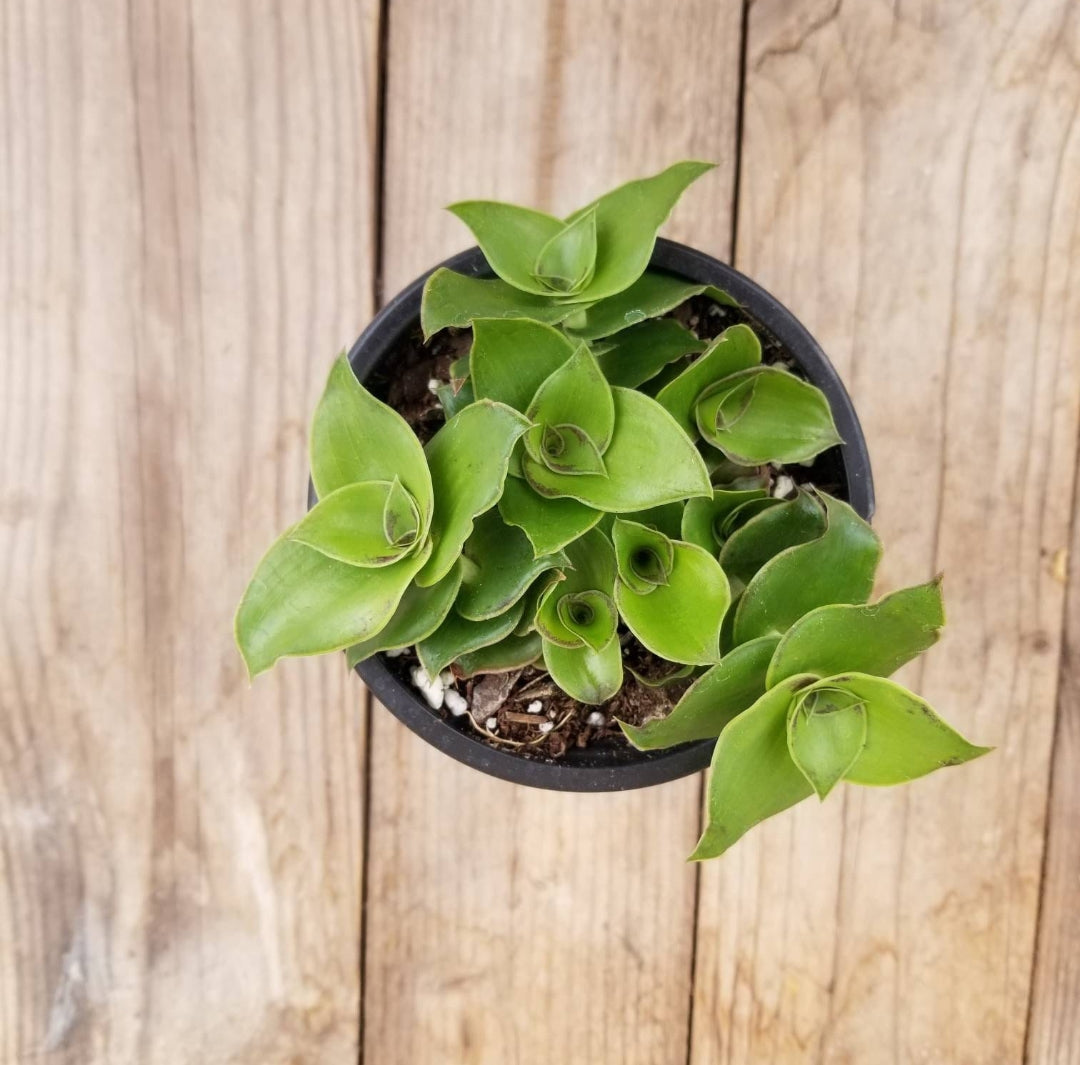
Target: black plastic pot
{"x":611,"y":768}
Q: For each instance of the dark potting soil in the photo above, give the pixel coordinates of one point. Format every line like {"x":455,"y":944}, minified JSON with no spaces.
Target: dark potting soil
{"x":514,"y":709}
{"x":502,"y":699}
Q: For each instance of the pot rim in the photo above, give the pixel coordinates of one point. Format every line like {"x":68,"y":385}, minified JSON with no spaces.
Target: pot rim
{"x":609,"y":769}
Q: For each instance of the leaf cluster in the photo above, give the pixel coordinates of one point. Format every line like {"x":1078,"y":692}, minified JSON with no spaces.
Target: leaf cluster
{"x":603,"y":474}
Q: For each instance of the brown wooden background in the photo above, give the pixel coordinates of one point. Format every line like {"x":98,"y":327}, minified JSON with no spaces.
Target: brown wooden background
{"x":201,"y":202}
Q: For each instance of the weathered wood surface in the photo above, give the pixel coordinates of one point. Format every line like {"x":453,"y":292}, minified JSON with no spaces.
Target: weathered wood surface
{"x":504,"y":924}
{"x":189,"y":228}
{"x":185,"y":237}
{"x":910,"y":183}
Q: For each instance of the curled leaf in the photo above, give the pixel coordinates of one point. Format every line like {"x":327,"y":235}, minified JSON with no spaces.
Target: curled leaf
{"x":649,"y":461}
{"x":777,"y":527}
{"x":355,"y":438}
{"x":511,"y":238}
{"x":766,"y":414}
{"x":645,"y":556}
{"x":736,"y":348}
{"x":592,"y":569}
{"x":302,"y":602}
{"x":577,"y":394}
{"x":826,"y":734}
{"x":703,"y":518}
{"x":679,"y":617}
{"x":468,"y":458}
{"x":350,"y":525}
{"x":453,"y":299}
{"x":565,"y":263}
{"x":837,"y":567}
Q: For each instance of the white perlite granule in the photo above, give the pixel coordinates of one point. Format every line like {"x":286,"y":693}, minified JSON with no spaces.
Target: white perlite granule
{"x":395,"y":652}
{"x":596,"y":719}
{"x":455,"y":702}
{"x":783,"y":487}
{"x":491,"y":724}
{"x":546,"y":726}
{"x":430,"y":687}
{"x":534,"y":707}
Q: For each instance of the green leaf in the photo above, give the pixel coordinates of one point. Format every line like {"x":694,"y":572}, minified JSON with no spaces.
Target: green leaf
{"x":826,"y":733}
{"x":301,"y":602}
{"x":532,"y":598}
{"x":592,"y":569}
{"x":644,"y":556}
{"x":468,"y":458}
{"x":679,"y":619}
{"x":873,"y":638}
{"x":752,"y":775}
{"x":584,"y":674}
{"x":454,"y":399}
{"x":713,"y":700}
{"x":348,"y":524}
{"x":452,"y":299}
{"x":511,"y":239}
{"x":589,"y":615}
{"x":650,"y":296}
{"x":767,"y":533}
{"x":457,"y":636}
{"x":736,"y":348}
{"x":565,"y":264}
{"x":905,"y":738}
{"x":703,"y":517}
{"x":503,"y":567}
{"x":420,"y":612}
{"x":838,"y":567}
{"x":627,"y":220}
{"x":766,"y":415}
{"x":564,"y":449}
{"x":638,"y":354}
{"x":511,"y":358}
{"x":676,"y":674}
{"x":508,"y":654}
{"x":356,"y":438}
{"x":577,"y":393}
{"x":666,"y":518}
{"x":550,"y":524}
{"x":401,"y":520}
{"x":649,"y":461}
{"x":741,"y":514}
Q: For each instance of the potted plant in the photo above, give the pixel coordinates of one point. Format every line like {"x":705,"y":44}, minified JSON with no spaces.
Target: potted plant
{"x":599,"y":518}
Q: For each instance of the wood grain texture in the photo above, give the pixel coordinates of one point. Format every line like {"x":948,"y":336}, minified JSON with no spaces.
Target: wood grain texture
{"x":1053,"y":1036}
{"x":508,"y":926}
{"x":911,"y":188}
{"x":185,"y":240}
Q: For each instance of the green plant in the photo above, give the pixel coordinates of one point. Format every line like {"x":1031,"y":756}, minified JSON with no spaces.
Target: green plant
{"x":604,"y":475}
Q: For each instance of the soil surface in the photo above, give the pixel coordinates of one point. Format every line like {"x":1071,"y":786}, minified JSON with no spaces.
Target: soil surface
{"x":503,"y":706}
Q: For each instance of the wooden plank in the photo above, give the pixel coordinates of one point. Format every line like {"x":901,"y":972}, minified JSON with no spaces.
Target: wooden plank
{"x":910,"y":188}
{"x":185,"y":210}
{"x":508,"y":925}
{"x":1053,"y":1036}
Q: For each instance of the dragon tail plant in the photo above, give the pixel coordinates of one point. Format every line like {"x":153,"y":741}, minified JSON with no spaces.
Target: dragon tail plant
{"x":612,"y":477}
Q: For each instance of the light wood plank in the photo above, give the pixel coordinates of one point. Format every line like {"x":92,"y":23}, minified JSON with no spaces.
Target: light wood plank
{"x":1053,"y":1036}
{"x":185,"y":240}
{"x":505,"y":925}
{"x":910,"y":187}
